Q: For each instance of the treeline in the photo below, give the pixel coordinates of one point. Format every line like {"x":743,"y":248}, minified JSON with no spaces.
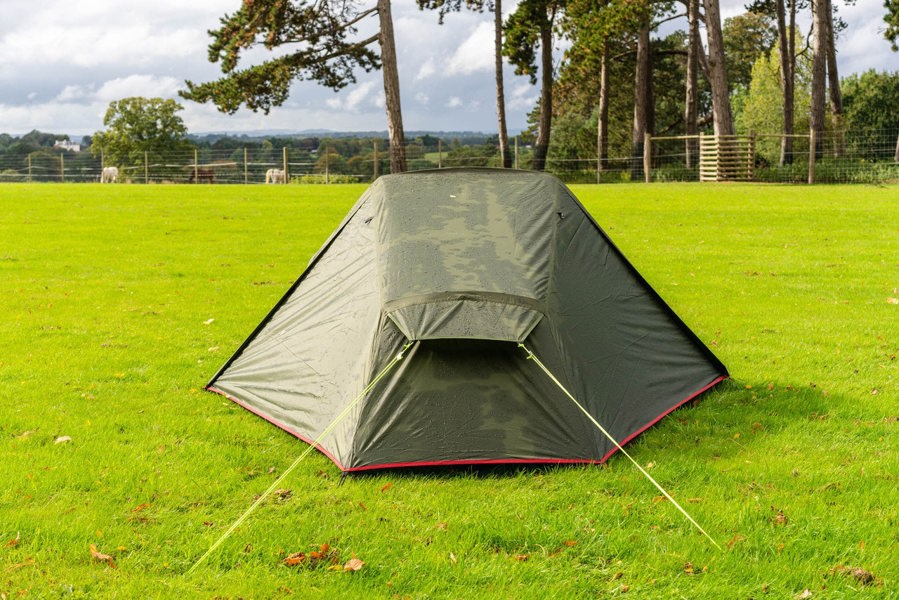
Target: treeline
{"x":619,"y":71}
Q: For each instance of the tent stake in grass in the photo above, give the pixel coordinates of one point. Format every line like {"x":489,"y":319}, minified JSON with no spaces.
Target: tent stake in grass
{"x":300,"y":458}
{"x":532,"y":356}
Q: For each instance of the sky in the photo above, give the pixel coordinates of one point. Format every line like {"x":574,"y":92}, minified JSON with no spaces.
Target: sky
{"x":63,"y":62}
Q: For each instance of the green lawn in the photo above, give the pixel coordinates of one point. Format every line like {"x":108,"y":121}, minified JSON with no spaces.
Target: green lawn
{"x":119,"y":303}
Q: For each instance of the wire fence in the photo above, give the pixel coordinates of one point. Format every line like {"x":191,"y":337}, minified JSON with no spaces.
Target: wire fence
{"x":839,"y":157}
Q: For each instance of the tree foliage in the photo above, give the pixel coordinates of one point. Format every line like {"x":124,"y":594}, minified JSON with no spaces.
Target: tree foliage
{"x":747,"y":37}
{"x":871,"y":101}
{"x":136,"y":126}
{"x":324,"y":48}
{"x":892,"y":20}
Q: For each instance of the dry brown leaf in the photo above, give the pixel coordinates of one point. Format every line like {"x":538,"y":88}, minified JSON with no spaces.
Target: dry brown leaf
{"x":97,"y":555}
{"x":295,"y":559}
{"x":62,"y":439}
{"x":617,"y":576}
{"x":805,"y":594}
{"x":570,"y":543}
{"x":354,"y":564}
{"x":688,"y":568}
{"x":386,"y":487}
{"x":140,"y":507}
{"x":14,"y":542}
{"x":441,"y":526}
{"x":624,"y":588}
{"x":892,"y":300}
{"x":283,"y":494}
{"x":522,"y":557}
{"x":734,"y":540}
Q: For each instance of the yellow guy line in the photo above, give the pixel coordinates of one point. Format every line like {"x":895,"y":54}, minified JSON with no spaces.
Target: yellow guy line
{"x":300,"y":458}
{"x":532,"y":356}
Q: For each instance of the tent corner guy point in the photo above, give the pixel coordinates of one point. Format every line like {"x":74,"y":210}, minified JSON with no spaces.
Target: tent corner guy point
{"x":468,"y":316}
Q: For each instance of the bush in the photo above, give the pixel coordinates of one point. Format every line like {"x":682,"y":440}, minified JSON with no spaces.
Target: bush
{"x":319,"y":179}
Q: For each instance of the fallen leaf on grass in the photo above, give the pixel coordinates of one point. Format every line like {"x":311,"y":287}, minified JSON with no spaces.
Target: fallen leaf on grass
{"x":522,"y":557}
{"x":140,"y":507}
{"x":892,"y":300}
{"x":452,"y":558}
{"x":14,"y":542}
{"x":386,"y":487}
{"x":283,"y":494}
{"x":570,"y":543}
{"x":780,"y":518}
{"x":737,"y":538}
{"x":862,"y":576}
{"x":97,"y":555}
{"x":688,"y":568}
{"x":806,"y":593}
{"x":324,"y":555}
{"x":62,"y":439}
{"x":354,"y":564}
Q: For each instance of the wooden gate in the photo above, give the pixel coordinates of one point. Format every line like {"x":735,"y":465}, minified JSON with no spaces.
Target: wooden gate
{"x":726,"y":158}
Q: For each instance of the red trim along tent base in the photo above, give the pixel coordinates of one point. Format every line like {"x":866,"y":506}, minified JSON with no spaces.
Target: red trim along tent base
{"x":456,"y":271}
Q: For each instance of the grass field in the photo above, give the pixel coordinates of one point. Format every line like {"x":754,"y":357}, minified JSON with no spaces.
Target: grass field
{"x":119,"y":303}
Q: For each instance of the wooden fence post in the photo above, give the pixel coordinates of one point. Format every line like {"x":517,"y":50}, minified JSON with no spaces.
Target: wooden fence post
{"x":516,"y":151}
{"x":246,"y":178}
{"x":286,"y":174}
{"x":439,"y":154}
{"x":812,"y":142}
{"x":375,"y":162}
{"x":196,"y":167}
{"x":62,"y":168}
{"x":29,"y":167}
{"x":327,"y":167}
{"x":146,"y":168}
{"x":647,"y":158}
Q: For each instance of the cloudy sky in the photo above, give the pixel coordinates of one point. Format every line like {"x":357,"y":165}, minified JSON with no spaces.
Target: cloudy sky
{"x":62,"y":62}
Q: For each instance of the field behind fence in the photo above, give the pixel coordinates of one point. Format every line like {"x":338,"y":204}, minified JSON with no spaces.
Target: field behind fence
{"x":842,"y":157}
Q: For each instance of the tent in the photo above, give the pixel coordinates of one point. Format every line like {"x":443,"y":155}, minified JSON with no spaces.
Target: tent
{"x":471,"y":271}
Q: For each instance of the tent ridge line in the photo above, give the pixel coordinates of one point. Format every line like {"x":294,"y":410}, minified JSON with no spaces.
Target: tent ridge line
{"x":492,"y":297}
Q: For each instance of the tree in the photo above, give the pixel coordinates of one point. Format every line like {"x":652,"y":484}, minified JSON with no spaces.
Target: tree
{"x":139,"y":127}
{"x":820,"y":10}
{"x":872,"y":111}
{"x":530,"y":26}
{"x":892,"y":20}
{"x":721,"y":111}
{"x":762,"y":109}
{"x":747,"y":37}
{"x":446,"y":6}
{"x":324,"y":47}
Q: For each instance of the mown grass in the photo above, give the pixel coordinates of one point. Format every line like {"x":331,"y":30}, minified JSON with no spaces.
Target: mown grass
{"x":119,"y":302}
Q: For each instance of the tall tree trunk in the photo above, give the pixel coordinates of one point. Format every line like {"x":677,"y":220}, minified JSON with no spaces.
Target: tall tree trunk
{"x":642,"y":76}
{"x":691,"y":104}
{"x":786,"y":84}
{"x":602,"y":121}
{"x":500,"y":93}
{"x":541,"y":147}
{"x":819,"y":74}
{"x":722,"y":116}
{"x":833,"y":83}
{"x":397,"y":138}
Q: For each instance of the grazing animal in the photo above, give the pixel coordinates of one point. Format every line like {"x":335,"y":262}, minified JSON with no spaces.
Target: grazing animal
{"x":109,"y":175}
{"x":275,"y":176}
{"x":202,"y":176}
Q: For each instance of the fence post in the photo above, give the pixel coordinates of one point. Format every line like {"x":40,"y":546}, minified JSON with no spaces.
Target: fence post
{"x":516,"y":151}
{"x":146,"y":168}
{"x":812,"y":142}
{"x":29,"y":167}
{"x":62,"y":168}
{"x":327,"y":167}
{"x":246,"y":179}
{"x":286,"y":175}
{"x":647,"y":158}
{"x":196,"y":167}
{"x":375,"y":165}
{"x":439,"y":154}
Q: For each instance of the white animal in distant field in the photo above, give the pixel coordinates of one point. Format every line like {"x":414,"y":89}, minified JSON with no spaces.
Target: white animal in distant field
{"x":275,"y":176}
{"x":109,"y":175}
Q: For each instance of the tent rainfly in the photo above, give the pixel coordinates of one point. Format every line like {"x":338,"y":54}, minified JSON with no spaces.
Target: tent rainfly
{"x":469,"y":271}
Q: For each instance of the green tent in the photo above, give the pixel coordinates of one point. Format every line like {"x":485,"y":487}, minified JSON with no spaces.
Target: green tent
{"x":467,"y":267}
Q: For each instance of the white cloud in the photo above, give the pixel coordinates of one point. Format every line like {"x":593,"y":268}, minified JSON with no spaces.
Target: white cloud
{"x":138,"y":85}
{"x":353,"y":100}
{"x":426,"y":70}
{"x":453,"y":102}
{"x":422,"y":98}
{"x":475,"y":53}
